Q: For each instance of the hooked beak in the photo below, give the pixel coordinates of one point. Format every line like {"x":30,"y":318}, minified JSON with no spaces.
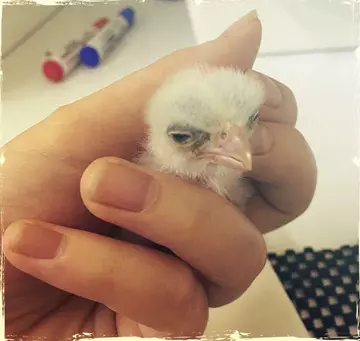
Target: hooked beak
{"x":232,"y":151}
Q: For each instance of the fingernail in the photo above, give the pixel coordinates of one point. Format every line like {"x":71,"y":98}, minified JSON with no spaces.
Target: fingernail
{"x":249,"y":17}
{"x":261,"y":141}
{"x":122,"y":187}
{"x":241,"y":26}
{"x":273,"y":96}
{"x":34,"y":241}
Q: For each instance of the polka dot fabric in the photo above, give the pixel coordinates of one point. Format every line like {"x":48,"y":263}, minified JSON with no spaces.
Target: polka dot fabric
{"x":324,"y":287}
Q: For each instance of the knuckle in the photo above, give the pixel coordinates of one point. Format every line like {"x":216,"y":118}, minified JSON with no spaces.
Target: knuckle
{"x":105,"y":287}
{"x":290,"y":106}
{"x":288,"y":109}
{"x":192,"y":300}
{"x":308,"y":158}
{"x":295,"y":173}
{"x":187,"y":289}
{"x":306,"y":173}
{"x":255,"y":265}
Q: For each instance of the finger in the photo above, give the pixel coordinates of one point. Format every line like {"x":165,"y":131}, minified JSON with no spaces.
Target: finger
{"x":280,"y":104}
{"x":117,"y":110}
{"x":129,"y":327}
{"x":154,"y":289}
{"x":285,"y":177}
{"x":196,"y":224}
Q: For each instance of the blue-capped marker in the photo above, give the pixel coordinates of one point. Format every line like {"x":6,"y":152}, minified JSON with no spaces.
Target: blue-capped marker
{"x":104,"y":42}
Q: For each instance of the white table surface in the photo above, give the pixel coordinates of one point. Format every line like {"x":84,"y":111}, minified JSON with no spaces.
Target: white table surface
{"x":264,"y":310}
{"x":28,"y":97}
{"x":288,"y":26}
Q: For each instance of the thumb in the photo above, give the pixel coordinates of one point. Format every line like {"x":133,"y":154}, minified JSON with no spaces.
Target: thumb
{"x":242,"y":41}
{"x":179,"y":216}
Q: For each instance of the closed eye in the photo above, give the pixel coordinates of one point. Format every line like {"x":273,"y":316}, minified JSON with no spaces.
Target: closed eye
{"x":254,"y":118}
{"x":187,"y":136}
{"x":181,"y":138}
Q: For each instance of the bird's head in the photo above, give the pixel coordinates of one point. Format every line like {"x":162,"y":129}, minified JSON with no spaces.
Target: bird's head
{"x":203,"y":117}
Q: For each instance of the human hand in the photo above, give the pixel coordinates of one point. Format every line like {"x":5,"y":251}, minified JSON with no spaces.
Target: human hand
{"x":58,"y":296}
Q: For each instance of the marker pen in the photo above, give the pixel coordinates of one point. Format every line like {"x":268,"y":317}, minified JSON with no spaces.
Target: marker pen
{"x":57,"y":67}
{"x":104,"y":42}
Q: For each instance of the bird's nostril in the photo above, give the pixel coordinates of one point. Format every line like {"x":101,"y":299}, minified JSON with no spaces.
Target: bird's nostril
{"x":223,"y":135}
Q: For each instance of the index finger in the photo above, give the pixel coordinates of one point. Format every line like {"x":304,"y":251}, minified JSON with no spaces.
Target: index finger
{"x":283,"y":107}
{"x":117,"y":109}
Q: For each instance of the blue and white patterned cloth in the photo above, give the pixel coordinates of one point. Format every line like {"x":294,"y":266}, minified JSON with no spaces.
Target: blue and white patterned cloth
{"x":324,"y":287}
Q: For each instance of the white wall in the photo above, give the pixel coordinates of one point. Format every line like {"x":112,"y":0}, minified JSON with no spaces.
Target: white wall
{"x":18,"y":21}
{"x":288,"y":26}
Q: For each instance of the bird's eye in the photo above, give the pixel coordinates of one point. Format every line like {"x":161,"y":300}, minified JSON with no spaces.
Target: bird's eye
{"x":181,"y":138}
{"x":254,"y":118}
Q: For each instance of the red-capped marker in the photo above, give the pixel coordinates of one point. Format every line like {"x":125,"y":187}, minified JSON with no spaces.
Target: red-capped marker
{"x":56,"y":68}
